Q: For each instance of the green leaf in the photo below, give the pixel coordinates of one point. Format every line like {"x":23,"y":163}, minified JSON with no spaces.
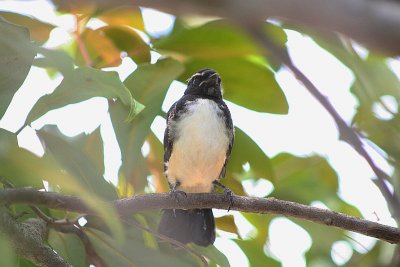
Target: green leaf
{"x":214,"y":40}
{"x":303,"y":179}
{"x":7,"y":254}
{"x":56,"y":59}
{"x":86,"y":180}
{"x":148,"y":84}
{"x":19,"y":166}
{"x":245,"y":83}
{"x":16,"y":56}
{"x":214,"y":255}
{"x":227,"y":223}
{"x":68,"y":246}
{"x":78,"y":164}
{"x":130,"y":253}
{"x":39,"y":30}
{"x":255,"y":254}
{"x":83,"y":84}
{"x":128,"y":40}
{"x":246,"y":150}
{"x":127,"y":15}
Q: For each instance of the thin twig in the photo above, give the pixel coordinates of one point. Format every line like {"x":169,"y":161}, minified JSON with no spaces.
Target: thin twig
{"x":81,"y":44}
{"x":144,"y":202}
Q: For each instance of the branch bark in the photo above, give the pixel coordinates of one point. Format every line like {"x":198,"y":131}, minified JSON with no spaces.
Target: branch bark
{"x":245,"y":204}
{"x":373,"y":23}
{"x":28,"y":238}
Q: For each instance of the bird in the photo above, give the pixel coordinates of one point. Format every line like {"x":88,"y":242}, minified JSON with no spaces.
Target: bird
{"x":198,"y":141}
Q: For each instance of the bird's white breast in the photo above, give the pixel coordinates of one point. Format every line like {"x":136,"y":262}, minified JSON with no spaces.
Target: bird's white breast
{"x":199,"y":150}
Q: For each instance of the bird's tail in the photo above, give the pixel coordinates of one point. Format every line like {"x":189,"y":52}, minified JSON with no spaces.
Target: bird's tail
{"x":187,"y":226}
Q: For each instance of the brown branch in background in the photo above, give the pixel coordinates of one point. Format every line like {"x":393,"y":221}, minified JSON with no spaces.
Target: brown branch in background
{"x":245,"y":204}
{"x":373,"y":23}
{"x":91,"y":255}
{"x":347,"y":133}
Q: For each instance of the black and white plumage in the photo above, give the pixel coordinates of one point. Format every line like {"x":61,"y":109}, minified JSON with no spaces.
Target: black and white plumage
{"x":198,"y":141}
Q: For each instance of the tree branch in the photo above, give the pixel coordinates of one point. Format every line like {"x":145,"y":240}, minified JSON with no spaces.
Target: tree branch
{"x":373,"y":23}
{"x":28,"y":238}
{"x":245,"y":204}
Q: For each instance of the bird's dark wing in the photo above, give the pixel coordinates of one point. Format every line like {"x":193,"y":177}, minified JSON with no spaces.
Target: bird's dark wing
{"x":173,"y":114}
{"x":231,"y":134}
{"x":168,"y":142}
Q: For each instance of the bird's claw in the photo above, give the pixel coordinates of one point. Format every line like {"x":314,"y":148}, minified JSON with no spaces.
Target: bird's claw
{"x":229,"y":195}
{"x":178,"y":195}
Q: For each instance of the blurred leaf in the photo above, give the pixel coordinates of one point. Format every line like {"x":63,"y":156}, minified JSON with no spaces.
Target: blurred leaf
{"x":130,"y":253}
{"x":128,"y":40}
{"x":93,"y":148}
{"x":16,"y":56}
{"x":148,"y":84}
{"x":213,"y":254}
{"x":374,"y":79}
{"x":155,"y":161}
{"x":384,"y":133}
{"x":245,"y":83}
{"x":39,"y":30}
{"x":127,"y":15}
{"x":68,"y":246}
{"x":255,"y":254}
{"x":7,"y":254}
{"x":227,"y":223}
{"x":246,"y":150}
{"x":86,"y":180}
{"x":209,"y":41}
{"x":77,"y":163}
{"x":85,"y":83}
{"x":19,"y":166}
{"x":303,"y":180}
{"x":102,"y":51}
{"x":56,"y":59}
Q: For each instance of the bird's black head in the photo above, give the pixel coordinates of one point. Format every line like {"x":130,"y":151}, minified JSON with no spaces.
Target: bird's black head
{"x":205,"y":82}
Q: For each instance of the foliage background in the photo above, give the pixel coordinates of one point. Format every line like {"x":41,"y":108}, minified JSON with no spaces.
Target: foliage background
{"x":75,"y":165}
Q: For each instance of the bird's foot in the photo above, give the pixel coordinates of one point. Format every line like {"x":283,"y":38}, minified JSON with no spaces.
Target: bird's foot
{"x":227,"y":192}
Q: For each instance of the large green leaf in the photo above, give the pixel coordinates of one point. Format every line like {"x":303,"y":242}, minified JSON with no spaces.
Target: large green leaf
{"x":68,"y":246}
{"x":86,"y":180}
{"x":246,"y":150}
{"x":245,"y":83}
{"x":72,"y":157}
{"x":21,"y":167}
{"x":303,"y":179}
{"x":56,"y":59}
{"x":85,"y":83}
{"x":128,"y":40}
{"x":16,"y":56}
{"x":39,"y":30}
{"x":148,"y":84}
{"x":130,"y":253}
{"x":214,"y":40}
